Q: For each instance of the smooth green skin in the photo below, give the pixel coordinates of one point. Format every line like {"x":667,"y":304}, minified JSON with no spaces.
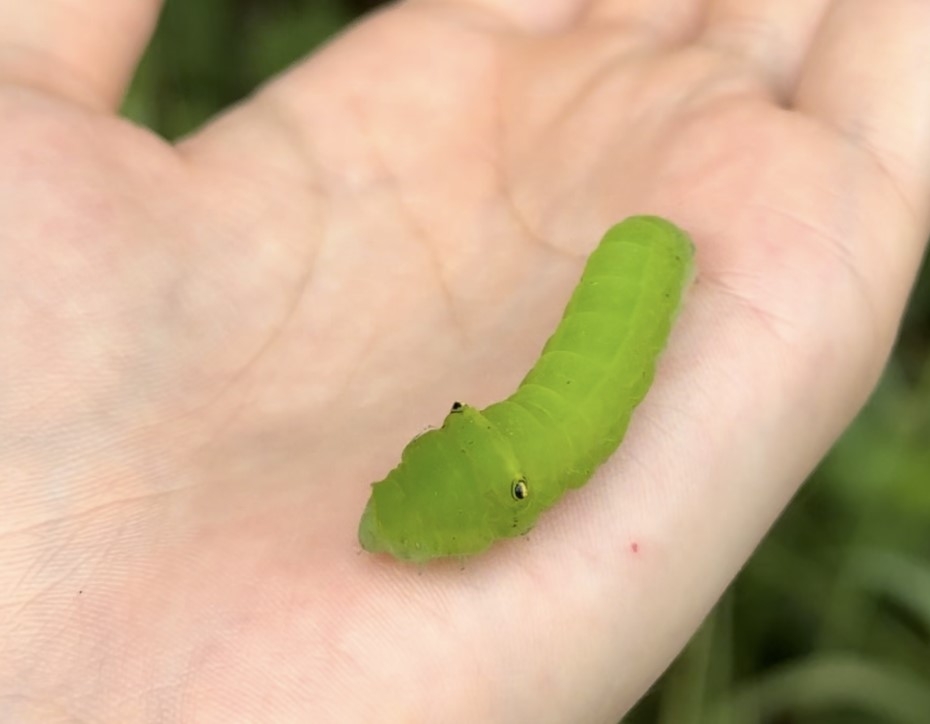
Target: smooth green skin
{"x":489,"y":474}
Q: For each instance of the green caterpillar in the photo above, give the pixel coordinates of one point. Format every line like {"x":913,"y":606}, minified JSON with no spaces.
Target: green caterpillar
{"x":488,"y":474}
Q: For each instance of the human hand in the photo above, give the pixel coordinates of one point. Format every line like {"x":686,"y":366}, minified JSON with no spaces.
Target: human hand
{"x":209,"y":350}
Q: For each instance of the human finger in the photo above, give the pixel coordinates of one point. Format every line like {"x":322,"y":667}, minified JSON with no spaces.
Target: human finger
{"x":771,"y":36}
{"x":82,"y":50}
{"x":867,"y":77}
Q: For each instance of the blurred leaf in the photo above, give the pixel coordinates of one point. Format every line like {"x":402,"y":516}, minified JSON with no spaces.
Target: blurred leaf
{"x":209,"y":54}
{"x":839,"y":683}
{"x":702,"y":674}
{"x":902,"y":579}
{"x":281,"y":38}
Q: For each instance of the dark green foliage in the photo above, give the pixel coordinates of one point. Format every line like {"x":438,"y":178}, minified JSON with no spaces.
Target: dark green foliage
{"x":210,"y":53}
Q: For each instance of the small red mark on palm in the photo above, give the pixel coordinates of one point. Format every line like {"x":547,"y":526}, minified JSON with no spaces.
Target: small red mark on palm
{"x":634,"y":546}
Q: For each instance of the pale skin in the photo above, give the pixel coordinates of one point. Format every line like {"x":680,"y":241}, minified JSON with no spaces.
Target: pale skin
{"x":210,"y":349}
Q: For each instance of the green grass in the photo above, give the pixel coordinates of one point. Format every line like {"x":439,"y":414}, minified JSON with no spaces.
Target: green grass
{"x":830,"y":621}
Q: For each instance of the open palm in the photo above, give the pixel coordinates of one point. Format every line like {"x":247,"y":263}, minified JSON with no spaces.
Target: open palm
{"x":209,"y":350}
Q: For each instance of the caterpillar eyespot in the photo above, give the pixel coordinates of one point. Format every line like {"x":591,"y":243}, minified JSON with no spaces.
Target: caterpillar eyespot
{"x":460,"y":487}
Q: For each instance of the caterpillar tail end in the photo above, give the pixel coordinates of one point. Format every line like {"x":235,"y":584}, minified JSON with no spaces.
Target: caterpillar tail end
{"x":368,"y":529}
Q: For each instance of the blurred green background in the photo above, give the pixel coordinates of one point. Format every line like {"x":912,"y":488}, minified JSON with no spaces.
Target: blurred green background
{"x":829,"y":623}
